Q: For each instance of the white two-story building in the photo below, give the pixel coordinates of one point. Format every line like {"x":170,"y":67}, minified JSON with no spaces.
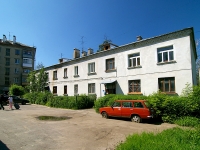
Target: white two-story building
{"x":165,"y":62}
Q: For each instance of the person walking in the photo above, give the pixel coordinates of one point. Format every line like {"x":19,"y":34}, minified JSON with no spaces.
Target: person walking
{"x":10,"y":100}
{"x":1,"y":102}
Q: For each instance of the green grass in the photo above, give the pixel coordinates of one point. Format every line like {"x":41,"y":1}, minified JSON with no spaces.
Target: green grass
{"x":188,"y":121}
{"x":52,"y":118}
{"x":170,"y":139}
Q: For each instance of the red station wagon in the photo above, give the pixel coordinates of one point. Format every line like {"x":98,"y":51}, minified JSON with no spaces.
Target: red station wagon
{"x":136,"y":110}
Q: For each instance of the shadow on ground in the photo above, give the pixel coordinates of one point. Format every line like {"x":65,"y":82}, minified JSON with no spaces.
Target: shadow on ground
{"x":3,"y":146}
{"x":152,"y":121}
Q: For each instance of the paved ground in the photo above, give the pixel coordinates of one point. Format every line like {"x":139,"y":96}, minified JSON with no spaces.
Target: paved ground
{"x":85,"y":130}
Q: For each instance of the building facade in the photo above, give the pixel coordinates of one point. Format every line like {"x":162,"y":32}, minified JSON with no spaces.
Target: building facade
{"x":166,"y":63}
{"x":16,"y":61}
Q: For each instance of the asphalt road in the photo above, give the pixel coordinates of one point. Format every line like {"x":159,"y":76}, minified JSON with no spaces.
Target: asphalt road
{"x":84,"y":130}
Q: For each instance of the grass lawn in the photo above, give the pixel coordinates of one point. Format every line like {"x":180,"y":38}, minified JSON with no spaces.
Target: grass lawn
{"x":170,"y":139}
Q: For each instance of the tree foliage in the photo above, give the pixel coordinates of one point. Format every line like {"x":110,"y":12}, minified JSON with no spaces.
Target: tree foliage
{"x":16,"y":90}
{"x":37,"y":80}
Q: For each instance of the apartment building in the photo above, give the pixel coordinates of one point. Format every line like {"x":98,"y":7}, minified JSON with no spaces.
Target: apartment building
{"x":16,"y":61}
{"x":164,"y":62}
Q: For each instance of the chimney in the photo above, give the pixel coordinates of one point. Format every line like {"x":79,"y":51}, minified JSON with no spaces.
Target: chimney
{"x":84,"y":53}
{"x":139,"y":38}
{"x":76,"y":53}
{"x":14,"y":39}
{"x":4,"y":38}
{"x":90,"y":51}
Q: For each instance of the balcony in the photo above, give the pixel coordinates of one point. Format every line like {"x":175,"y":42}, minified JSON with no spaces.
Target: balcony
{"x":27,"y":65}
{"x":27,"y":56}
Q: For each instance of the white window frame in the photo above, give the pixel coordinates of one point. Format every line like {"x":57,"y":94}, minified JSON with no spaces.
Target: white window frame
{"x":91,"y":67}
{"x":135,"y":58}
{"x":75,"y":89}
{"x":162,"y":51}
{"x":65,"y":72}
{"x":76,"y":70}
{"x":91,"y":88}
{"x":55,"y":73}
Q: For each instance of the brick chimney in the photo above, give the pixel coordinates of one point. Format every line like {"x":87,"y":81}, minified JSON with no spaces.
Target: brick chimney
{"x":14,"y":39}
{"x":76,"y":53}
{"x":90,"y":51}
{"x":139,"y":38}
{"x":4,"y":38}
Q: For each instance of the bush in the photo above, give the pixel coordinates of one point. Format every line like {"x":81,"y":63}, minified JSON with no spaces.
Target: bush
{"x":72,"y":102}
{"x":108,"y":100}
{"x":16,"y":90}
{"x":188,"y":121}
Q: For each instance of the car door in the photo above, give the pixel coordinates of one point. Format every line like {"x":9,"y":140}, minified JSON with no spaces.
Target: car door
{"x":116,"y":109}
{"x":139,"y":109}
{"x":127,"y":109}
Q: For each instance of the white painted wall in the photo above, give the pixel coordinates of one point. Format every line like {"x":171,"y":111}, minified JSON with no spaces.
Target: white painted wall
{"x":148,"y":74}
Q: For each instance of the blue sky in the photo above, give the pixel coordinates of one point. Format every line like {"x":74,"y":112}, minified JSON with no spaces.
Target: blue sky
{"x":56,"y":27}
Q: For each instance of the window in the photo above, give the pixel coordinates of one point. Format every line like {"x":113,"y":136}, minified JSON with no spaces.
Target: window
{"x":165,"y":54}
{"x":7,"y":61}
{"x":26,"y":71}
{"x":166,"y":84}
{"x":17,"y":52}
{"x":110,"y":64}
{"x":116,"y":104}
{"x":91,"y":88}
{"x":138,"y":105}
{"x":127,"y":104}
{"x":7,"y":52}
{"x":55,"y":75}
{"x":91,"y":67}
{"x":75,"y":89}
{"x":54,"y":89}
{"x":7,"y":71}
{"x":65,"y":89}
{"x":16,"y":70}
{"x":27,"y":61}
{"x":134,"y":60}
{"x":17,"y":60}
{"x":65,"y":73}
{"x":16,"y":80}
{"x":134,"y":86}
{"x":76,"y":70}
{"x":24,"y":79}
{"x":7,"y":82}
{"x":47,"y":76}
{"x":27,"y":53}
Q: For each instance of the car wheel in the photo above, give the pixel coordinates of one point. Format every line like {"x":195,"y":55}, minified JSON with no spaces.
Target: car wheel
{"x":104,"y":115}
{"x":136,"y":118}
{"x":23,"y":103}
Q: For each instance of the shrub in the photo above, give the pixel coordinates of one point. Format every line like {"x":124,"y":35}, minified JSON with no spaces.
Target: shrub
{"x":108,"y":100}
{"x":16,"y":90}
{"x":187,"y":121}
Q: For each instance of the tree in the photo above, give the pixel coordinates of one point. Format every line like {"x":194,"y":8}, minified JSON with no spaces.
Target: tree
{"x":37,"y":80}
{"x":16,"y":90}
{"x":198,"y":60}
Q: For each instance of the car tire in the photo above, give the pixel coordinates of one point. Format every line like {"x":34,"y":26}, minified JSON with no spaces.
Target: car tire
{"x":136,"y":118}
{"x":104,"y":115}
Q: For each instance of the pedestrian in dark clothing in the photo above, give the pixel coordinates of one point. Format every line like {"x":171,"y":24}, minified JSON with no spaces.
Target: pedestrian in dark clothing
{"x":1,"y":102}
